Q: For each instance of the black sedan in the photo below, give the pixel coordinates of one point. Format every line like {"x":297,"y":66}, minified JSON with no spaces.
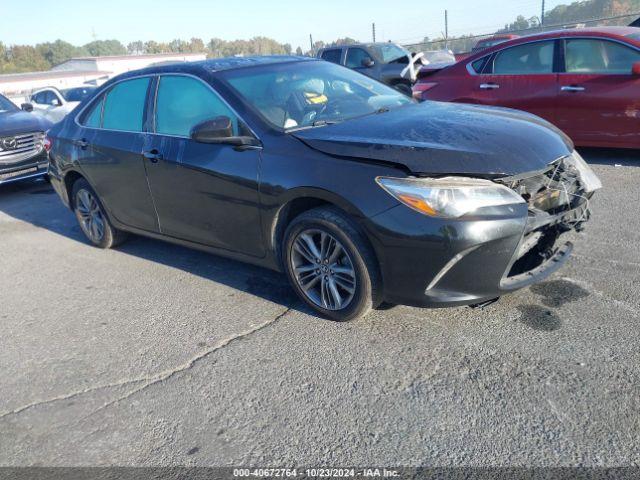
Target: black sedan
{"x":359,"y":194}
{"x":23,"y":147}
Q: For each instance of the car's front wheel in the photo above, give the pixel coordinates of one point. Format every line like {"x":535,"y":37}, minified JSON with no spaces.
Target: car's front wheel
{"x":331,"y":265}
{"x":92,"y":218}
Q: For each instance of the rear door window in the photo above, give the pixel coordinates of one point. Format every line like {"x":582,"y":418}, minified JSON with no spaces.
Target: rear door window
{"x":124,"y":105}
{"x":184,"y":102}
{"x":527,"y":59}
{"x":334,"y":55}
{"x":593,"y":56}
{"x":93,"y":118}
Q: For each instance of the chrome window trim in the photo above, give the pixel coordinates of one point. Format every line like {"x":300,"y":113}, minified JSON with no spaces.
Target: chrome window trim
{"x":563,"y":38}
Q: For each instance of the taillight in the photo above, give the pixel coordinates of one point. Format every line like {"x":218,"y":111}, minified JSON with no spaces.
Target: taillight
{"x":47,"y":143}
{"x":421,"y":87}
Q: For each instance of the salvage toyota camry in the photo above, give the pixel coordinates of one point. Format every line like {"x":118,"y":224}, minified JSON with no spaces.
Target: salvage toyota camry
{"x":359,"y":194}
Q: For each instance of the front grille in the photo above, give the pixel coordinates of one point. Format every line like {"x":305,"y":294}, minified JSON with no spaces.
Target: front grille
{"x":27,"y":145}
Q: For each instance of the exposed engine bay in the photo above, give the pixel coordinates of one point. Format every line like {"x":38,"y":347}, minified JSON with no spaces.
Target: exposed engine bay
{"x":558,"y":202}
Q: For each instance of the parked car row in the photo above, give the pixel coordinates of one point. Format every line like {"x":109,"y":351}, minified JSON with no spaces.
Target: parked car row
{"x":360,"y":194}
{"x":584,"y":81}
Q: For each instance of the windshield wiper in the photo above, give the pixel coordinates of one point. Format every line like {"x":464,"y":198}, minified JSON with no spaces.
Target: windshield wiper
{"x":322,"y":123}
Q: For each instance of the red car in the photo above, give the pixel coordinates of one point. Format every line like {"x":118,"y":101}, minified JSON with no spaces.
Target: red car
{"x":585,"y":81}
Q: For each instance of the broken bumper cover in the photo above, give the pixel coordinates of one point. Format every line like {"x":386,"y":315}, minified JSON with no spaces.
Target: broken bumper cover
{"x":441,"y":263}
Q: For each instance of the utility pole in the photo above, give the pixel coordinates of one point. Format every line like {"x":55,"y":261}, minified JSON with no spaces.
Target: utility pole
{"x":542,"y":15}
{"x":446,"y":29}
{"x":373,"y":30}
{"x":313,"y":54}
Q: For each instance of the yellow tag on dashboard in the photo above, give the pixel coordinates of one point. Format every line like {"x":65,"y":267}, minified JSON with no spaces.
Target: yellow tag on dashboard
{"x":315,"y":99}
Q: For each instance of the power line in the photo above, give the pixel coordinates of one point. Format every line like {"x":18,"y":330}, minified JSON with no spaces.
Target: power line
{"x":531,"y":29}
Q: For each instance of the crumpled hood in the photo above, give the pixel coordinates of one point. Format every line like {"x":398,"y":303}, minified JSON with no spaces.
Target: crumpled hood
{"x":13,"y":123}
{"x":446,"y":138}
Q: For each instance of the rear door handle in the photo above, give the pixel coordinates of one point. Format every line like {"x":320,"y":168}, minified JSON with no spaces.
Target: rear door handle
{"x":81,"y":143}
{"x":572,"y":88}
{"x":152,"y":155}
{"x":489,"y":86}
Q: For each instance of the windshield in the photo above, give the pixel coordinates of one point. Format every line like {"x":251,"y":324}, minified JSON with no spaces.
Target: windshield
{"x":439,"y":56}
{"x":311,"y":94}
{"x":77,"y":94}
{"x":6,"y":105}
{"x":389,"y":52}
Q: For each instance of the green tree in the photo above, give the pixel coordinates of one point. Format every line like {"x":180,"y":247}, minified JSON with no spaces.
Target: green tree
{"x":136,"y":48}
{"x":99,"y":48}
{"x":59,"y":51}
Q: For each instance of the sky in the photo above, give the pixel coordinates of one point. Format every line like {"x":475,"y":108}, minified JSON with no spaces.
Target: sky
{"x":287,"y":21}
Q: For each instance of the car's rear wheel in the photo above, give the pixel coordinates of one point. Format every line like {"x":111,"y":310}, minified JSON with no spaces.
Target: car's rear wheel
{"x":331,"y":265}
{"x":92,"y":218}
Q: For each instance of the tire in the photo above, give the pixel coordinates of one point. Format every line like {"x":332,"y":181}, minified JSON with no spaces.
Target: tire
{"x":404,"y":89}
{"x":347,"y":265}
{"x":92,"y":217}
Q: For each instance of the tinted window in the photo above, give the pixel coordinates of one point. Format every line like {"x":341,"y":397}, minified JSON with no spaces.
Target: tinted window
{"x":77,"y":94}
{"x":332,"y":55}
{"x":389,"y":52}
{"x":478,"y":64}
{"x":599,"y":56}
{"x":39,"y":98}
{"x":94,"y":116}
{"x":355,"y":56}
{"x":6,"y":105}
{"x":309,"y":94}
{"x":124,"y":105}
{"x":184,"y":102}
{"x":530,"y":58}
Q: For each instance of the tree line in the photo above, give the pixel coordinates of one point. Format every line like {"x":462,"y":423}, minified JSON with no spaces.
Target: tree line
{"x":44,"y":56}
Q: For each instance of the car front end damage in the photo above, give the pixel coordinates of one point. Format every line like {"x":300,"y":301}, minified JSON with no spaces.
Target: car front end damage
{"x":490,"y":251}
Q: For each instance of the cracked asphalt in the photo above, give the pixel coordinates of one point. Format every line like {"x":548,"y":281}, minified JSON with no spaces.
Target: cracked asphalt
{"x":155,"y":355}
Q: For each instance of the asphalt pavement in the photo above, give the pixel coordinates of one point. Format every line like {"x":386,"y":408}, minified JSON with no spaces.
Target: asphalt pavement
{"x":153,"y":354}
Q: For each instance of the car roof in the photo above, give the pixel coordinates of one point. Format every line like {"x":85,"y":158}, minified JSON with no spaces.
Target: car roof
{"x":365,"y":45}
{"x":212,"y":65}
{"x":621,"y":33}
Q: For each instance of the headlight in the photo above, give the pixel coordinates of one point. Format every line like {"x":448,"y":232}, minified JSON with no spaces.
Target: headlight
{"x":449,"y":197}
{"x":588,"y":178}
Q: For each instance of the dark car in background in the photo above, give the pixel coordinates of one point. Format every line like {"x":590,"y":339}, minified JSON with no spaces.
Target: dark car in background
{"x":383,"y":61}
{"x":358,"y":193}
{"x":23,"y":146}
{"x":586,"y":81}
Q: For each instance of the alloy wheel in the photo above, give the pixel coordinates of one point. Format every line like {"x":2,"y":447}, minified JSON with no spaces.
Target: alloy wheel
{"x":323,"y":269}
{"x":91,"y":218}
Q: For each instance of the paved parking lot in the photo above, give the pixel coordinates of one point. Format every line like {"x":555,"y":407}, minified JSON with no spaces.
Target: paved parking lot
{"x":153,"y":354}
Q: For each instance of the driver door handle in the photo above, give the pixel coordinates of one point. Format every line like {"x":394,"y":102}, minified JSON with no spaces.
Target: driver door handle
{"x":489,"y":86}
{"x":81,"y":143}
{"x":572,"y":88}
{"x":152,"y":155}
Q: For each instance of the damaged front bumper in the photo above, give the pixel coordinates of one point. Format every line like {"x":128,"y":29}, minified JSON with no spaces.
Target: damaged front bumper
{"x":430,"y":262}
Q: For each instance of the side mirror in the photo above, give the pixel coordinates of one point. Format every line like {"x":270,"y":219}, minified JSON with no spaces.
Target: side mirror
{"x":368,"y":62}
{"x":220,"y":130}
{"x":27,"y":107}
{"x":635,"y":69}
